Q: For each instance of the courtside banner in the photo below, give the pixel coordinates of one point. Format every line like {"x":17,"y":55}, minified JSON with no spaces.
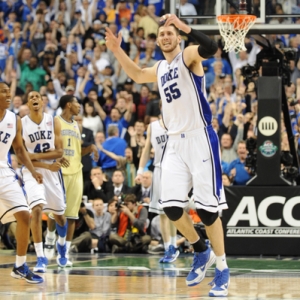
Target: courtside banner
{"x":262,"y":220}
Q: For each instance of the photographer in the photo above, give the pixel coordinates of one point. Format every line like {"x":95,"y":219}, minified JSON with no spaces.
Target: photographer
{"x":99,"y":229}
{"x":131,"y":227}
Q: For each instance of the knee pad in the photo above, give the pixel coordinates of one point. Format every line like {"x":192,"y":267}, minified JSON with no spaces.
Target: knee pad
{"x":208,"y":218}
{"x":174,"y":213}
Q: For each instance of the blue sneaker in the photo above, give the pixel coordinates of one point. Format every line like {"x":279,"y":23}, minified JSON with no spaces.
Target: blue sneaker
{"x":202,"y":261}
{"x":23,"y":272}
{"x":170,"y":255}
{"x":61,"y":258}
{"x":41,"y":266}
{"x":220,"y":283}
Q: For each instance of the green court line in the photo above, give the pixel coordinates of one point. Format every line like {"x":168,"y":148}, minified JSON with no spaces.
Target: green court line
{"x":184,"y":263}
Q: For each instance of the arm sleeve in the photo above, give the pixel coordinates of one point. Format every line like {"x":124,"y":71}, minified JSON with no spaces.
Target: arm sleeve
{"x":208,"y":47}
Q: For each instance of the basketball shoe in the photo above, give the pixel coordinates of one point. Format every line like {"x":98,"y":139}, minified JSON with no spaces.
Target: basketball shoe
{"x":41,"y":265}
{"x":23,"y":272}
{"x":170,"y":255}
{"x":61,"y":258}
{"x":202,"y":261}
{"x":49,"y":250}
{"x":220,"y":283}
{"x":69,"y":263}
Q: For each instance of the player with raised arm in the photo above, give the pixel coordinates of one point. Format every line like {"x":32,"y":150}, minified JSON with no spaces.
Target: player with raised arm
{"x":192,"y":153}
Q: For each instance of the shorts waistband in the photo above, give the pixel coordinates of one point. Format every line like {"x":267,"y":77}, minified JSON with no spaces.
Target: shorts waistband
{"x":188,"y":134}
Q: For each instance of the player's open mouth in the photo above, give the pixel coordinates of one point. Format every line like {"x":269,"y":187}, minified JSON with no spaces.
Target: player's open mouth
{"x":8,"y":100}
{"x":35,"y":104}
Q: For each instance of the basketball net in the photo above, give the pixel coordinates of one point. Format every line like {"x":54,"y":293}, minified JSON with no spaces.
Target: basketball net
{"x":233,"y":29}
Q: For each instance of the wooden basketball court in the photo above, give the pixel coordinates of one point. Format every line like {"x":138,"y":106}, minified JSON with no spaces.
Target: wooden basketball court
{"x":120,"y":277}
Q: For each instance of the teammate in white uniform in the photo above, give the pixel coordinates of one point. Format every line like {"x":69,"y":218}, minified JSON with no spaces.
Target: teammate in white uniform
{"x":13,"y":204}
{"x":192,"y":154}
{"x":41,"y":135}
{"x":157,"y":138}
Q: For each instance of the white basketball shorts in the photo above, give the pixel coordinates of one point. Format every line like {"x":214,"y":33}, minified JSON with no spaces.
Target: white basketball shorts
{"x":51,"y":193}
{"x":12,"y":199}
{"x":192,"y":159}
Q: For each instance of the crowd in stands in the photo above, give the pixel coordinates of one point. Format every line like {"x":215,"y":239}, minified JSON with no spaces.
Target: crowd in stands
{"x":58,"y":47}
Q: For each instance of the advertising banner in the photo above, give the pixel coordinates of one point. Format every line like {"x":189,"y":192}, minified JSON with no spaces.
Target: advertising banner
{"x":262,"y":220}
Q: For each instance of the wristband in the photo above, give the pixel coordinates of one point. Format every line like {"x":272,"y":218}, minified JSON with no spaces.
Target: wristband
{"x":140,"y":171}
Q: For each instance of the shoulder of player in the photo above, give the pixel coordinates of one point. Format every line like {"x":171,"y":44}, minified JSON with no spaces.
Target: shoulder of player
{"x":190,"y":55}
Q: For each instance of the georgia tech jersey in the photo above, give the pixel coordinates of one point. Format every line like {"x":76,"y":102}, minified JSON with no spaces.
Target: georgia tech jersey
{"x":182,"y":91}
{"x":39,"y":137}
{"x":71,"y":137}
{"x":8,"y":129}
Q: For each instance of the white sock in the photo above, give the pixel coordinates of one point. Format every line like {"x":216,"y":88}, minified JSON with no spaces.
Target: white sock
{"x":39,"y":249}
{"x":20,"y":261}
{"x":68,"y":245}
{"x":174,"y":241}
{"x":61,"y":240}
{"x":51,"y":234}
{"x":166,"y":246}
{"x":221,"y":263}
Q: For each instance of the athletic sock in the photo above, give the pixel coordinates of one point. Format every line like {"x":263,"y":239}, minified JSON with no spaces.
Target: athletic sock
{"x":221,"y":263}
{"x":20,"y":261}
{"x":39,"y":249}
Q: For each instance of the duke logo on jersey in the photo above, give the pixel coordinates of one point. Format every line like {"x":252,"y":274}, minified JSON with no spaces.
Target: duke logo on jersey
{"x":4,"y":136}
{"x":38,"y":137}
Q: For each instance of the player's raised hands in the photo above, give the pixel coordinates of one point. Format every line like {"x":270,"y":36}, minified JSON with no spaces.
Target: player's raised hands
{"x":169,"y":19}
{"x":112,"y":42}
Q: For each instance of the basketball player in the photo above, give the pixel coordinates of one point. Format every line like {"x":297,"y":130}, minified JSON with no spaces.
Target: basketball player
{"x":72,"y":176}
{"x":157,"y":137}
{"x":13,"y":205}
{"x":41,"y":136}
{"x":192,"y":154}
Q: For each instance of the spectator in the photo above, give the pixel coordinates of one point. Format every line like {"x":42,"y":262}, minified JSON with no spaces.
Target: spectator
{"x":131,"y":228}
{"x":99,"y":229}
{"x":87,"y":139}
{"x":90,"y":118}
{"x":31,"y":73}
{"x":115,"y":145}
{"x":152,"y":107}
{"x":237,"y":171}
{"x":97,"y":187}
{"x":115,"y":118}
{"x":149,"y":21}
{"x":16,"y":104}
{"x":118,"y":187}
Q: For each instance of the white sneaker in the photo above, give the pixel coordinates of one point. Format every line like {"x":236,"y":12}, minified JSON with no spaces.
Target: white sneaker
{"x":69,"y":263}
{"x":49,"y":249}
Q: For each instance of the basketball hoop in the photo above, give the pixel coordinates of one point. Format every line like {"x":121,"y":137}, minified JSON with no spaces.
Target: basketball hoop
{"x":233,"y":29}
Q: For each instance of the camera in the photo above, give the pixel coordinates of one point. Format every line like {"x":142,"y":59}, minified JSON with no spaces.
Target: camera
{"x":119,"y":204}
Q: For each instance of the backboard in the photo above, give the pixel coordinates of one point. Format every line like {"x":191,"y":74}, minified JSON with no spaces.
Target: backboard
{"x":283,"y":18}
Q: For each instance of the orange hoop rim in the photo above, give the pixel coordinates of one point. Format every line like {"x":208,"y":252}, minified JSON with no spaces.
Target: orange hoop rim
{"x":232,"y":18}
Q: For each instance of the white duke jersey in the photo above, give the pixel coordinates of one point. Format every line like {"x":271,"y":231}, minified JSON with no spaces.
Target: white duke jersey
{"x":184,"y":100}
{"x":8,"y":129}
{"x":39,"y":137}
{"x":158,"y":141}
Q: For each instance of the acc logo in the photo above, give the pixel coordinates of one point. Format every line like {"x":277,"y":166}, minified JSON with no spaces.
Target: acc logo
{"x":267,"y":126}
{"x":247,"y":211}
{"x":268,"y":149}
